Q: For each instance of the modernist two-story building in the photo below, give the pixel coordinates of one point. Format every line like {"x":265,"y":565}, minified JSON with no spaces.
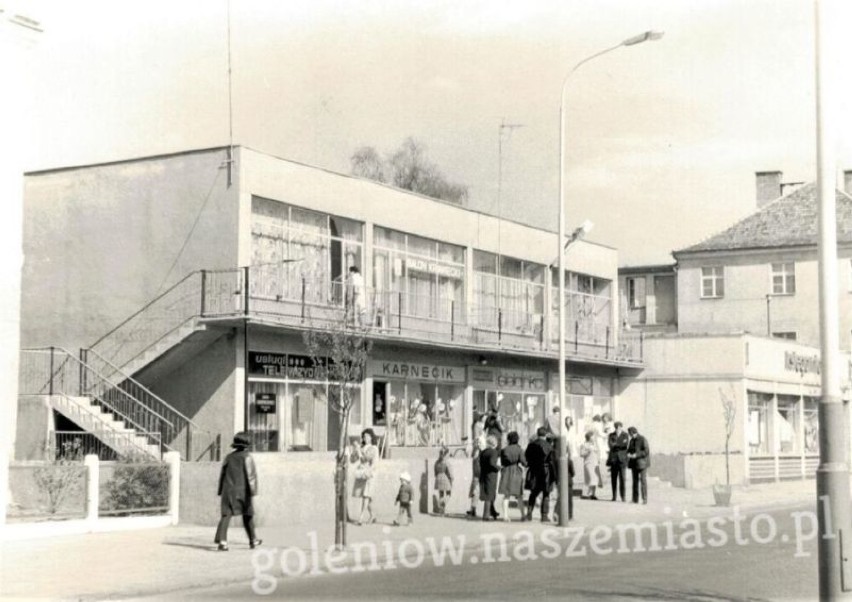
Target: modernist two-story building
{"x":196,"y":274}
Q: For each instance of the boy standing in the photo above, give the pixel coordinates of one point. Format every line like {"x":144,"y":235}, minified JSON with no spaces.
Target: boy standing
{"x":404,"y":498}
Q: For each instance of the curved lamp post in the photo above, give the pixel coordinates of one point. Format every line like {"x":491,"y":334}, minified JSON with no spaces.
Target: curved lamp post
{"x":563,"y":452}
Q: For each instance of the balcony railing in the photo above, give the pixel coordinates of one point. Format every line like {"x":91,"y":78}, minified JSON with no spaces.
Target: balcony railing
{"x":302,"y":301}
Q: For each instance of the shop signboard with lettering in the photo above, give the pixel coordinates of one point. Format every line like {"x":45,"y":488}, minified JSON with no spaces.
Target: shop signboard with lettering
{"x":291,"y":366}
{"x":416,"y":371}
{"x":431,"y":267}
{"x":507,"y":379}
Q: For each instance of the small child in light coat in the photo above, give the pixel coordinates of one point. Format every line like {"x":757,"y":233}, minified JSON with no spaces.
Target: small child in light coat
{"x":404,"y":498}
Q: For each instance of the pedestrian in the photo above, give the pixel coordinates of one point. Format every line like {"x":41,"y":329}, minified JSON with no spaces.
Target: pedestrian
{"x":617,"y":460}
{"x":552,"y":423}
{"x":512,"y":462}
{"x":494,"y":426}
{"x":477,"y":430}
{"x":473,"y":494}
{"x":443,"y":480}
{"x":541,"y":467}
{"x":591,"y":465}
{"x":365,"y":455}
{"x":489,"y":469}
{"x":404,"y":498}
{"x":237,"y":487}
{"x":638,"y":459}
{"x":356,"y":301}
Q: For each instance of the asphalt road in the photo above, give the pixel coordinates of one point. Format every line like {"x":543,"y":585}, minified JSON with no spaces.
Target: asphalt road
{"x":709,"y":562}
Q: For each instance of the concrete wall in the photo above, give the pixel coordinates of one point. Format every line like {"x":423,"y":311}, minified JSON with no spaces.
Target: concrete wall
{"x":99,"y":241}
{"x":35,"y":421}
{"x":748,"y":279}
{"x":203,"y":387}
{"x":697,"y":470}
{"x":297,"y":490}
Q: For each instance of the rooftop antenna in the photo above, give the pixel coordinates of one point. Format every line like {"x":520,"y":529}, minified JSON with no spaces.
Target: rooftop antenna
{"x":230,"y":160}
{"x":508,"y":128}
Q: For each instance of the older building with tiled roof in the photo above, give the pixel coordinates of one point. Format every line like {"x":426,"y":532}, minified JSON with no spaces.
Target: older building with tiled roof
{"x":760,"y":275}
{"x":790,"y":221}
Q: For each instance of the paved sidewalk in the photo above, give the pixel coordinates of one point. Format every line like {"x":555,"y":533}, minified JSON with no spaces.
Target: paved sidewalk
{"x":136,"y":563}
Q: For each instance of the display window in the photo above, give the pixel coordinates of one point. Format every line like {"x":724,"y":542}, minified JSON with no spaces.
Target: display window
{"x":420,"y":414}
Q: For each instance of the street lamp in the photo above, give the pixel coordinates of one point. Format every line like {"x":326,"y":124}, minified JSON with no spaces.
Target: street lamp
{"x":562,"y":449}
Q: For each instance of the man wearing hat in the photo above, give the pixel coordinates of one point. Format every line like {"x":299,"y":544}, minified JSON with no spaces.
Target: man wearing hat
{"x":237,"y":487}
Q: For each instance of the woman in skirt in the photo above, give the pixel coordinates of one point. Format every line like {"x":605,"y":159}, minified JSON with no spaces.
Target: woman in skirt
{"x":512,"y":475}
{"x":443,"y":480}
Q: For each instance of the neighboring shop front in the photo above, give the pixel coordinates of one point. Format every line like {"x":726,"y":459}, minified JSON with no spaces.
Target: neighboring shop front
{"x":782,"y":426}
{"x":520,"y":396}
{"x":586,"y":395}
{"x":418,"y":403}
{"x":291,"y":403}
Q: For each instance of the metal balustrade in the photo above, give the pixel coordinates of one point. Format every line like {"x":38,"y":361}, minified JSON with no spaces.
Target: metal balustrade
{"x":56,"y":372}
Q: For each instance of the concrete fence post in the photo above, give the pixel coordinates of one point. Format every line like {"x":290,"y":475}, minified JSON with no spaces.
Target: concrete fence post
{"x":172,"y":459}
{"x":93,"y":470}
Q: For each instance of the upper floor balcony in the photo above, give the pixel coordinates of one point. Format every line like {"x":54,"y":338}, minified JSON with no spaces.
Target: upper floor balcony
{"x":439,"y":317}
{"x":258,"y":294}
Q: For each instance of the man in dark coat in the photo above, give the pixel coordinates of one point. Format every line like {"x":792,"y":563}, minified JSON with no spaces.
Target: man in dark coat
{"x":638,"y":459}
{"x":237,"y":487}
{"x":617,"y":460}
{"x":540,"y":463}
{"x":489,"y":470}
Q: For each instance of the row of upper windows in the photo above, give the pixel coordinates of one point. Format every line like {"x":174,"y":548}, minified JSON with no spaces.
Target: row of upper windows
{"x":276,"y":220}
{"x":782,"y":280}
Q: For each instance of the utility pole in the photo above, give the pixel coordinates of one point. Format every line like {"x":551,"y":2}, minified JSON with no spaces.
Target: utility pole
{"x":833,"y":512}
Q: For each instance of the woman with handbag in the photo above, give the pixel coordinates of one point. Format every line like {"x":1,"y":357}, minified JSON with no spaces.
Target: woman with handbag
{"x":365,"y":455}
{"x":512,"y":475}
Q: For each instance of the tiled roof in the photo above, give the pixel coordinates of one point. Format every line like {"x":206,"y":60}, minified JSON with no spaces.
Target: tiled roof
{"x":786,"y":222}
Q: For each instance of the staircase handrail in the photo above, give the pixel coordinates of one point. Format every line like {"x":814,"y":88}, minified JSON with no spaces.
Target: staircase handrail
{"x":145,"y":307}
{"x":154,"y":396}
{"x":106,"y":404}
{"x":113,"y":434}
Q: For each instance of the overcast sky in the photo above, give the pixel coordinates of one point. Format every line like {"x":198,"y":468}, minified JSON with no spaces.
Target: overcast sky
{"x":664,"y":137}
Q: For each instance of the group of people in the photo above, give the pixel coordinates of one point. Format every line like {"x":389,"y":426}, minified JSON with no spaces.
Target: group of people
{"x":497,"y":470}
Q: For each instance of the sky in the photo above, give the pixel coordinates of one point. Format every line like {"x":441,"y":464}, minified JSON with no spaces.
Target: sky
{"x":663,"y":138}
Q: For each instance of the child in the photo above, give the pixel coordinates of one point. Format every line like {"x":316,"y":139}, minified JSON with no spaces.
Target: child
{"x":443,"y":480}
{"x":404,"y":498}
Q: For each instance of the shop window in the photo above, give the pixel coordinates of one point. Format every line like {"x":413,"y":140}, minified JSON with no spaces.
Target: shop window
{"x":783,"y":278}
{"x":580,"y":385}
{"x":759,"y":427}
{"x":788,"y":424}
{"x":712,"y":282}
{"x":811,"y":426}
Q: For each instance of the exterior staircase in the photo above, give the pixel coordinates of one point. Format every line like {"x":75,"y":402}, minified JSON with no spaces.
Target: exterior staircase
{"x":106,"y":402}
{"x":113,"y":432}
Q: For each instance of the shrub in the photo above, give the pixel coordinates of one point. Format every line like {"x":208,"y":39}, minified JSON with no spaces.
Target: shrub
{"x":135,"y":485}
{"x":58,"y":480}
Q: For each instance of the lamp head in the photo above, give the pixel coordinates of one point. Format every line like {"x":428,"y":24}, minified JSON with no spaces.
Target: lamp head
{"x":585,"y":227}
{"x":648,"y":36}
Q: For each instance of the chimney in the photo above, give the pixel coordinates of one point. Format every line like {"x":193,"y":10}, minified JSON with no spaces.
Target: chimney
{"x":847,"y":181}
{"x":768,"y":186}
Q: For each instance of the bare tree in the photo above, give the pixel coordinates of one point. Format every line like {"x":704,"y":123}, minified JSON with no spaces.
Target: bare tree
{"x":367,"y":163}
{"x":408,"y":168}
{"x":340,"y":345}
{"x":729,"y":413}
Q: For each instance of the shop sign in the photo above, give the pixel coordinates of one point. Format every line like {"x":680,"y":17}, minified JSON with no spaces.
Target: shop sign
{"x":266,"y":363}
{"x":416,"y":371}
{"x":430,"y":267}
{"x":481,"y":376}
{"x":522,"y":380}
{"x":287,"y":365}
{"x":265,"y":403}
{"x":796,"y":362}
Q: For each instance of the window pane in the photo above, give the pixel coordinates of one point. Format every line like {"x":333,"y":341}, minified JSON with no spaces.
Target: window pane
{"x":345,"y":228}
{"x":421,"y":246}
{"x":534,"y":272}
{"x":309,"y":220}
{"x":484,"y":262}
{"x":510,"y":268}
